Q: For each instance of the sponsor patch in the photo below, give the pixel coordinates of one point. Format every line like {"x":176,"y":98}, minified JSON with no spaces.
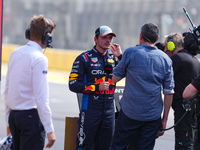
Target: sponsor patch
{"x":90,"y":88}
{"x":95,"y":59}
{"x":76,"y":62}
{"x":74,"y":67}
{"x":98,"y":81}
{"x":81,"y":135}
{"x":73,"y":75}
{"x":74,"y":70}
{"x":71,"y":79}
{"x":72,"y":82}
{"x":44,"y":72}
{"x":95,"y":65}
{"x":110,"y":60}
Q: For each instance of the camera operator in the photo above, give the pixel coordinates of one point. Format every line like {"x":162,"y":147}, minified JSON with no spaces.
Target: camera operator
{"x":186,"y":67}
{"x":191,"y":92}
{"x":193,"y":89}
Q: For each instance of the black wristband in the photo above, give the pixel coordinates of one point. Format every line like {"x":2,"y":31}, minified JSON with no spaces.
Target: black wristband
{"x":120,"y":57}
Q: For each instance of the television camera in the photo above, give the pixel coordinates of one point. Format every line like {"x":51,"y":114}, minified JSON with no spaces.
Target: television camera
{"x":192,"y":38}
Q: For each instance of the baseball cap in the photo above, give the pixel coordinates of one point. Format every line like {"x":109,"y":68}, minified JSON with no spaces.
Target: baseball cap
{"x":103,"y":31}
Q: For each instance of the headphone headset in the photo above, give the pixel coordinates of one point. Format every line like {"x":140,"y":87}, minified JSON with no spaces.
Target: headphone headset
{"x":46,"y":38}
{"x":170,"y":45}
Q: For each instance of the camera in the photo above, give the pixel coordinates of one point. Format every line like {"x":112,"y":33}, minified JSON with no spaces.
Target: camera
{"x":191,"y":42}
{"x":192,"y":39}
{"x":196,"y":32}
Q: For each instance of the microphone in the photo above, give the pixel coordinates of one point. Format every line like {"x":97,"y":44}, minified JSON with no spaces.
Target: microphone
{"x":108,"y":70}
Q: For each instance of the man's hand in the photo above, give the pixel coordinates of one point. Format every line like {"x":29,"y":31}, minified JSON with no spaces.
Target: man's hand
{"x":8,"y":130}
{"x":116,"y":50}
{"x":103,"y":86}
{"x":51,"y":139}
{"x":161,"y":132}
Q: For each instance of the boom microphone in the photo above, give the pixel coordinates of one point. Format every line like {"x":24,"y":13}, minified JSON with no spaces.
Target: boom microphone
{"x":108,"y":70}
{"x":196,"y":30}
{"x":194,"y":27}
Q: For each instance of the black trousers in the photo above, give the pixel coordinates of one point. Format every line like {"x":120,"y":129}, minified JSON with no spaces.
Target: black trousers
{"x":184,"y":131}
{"x":27,"y":130}
{"x":127,"y":129}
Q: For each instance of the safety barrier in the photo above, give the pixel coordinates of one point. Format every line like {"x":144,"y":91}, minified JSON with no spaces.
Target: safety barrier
{"x":59,"y":59}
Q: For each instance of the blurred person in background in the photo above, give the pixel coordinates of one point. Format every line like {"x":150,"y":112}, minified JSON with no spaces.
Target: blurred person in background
{"x":186,"y":67}
{"x":28,"y":114}
{"x":148,"y":70}
{"x":88,"y":76}
{"x":160,"y":46}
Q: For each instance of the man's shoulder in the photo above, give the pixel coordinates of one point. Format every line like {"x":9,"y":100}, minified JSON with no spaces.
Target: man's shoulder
{"x":86,"y":52}
{"x":132,"y":49}
{"x":85,"y":55}
{"x":184,"y":55}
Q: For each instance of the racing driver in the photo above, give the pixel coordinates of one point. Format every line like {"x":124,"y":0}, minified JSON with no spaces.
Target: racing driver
{"x":97,"y":114}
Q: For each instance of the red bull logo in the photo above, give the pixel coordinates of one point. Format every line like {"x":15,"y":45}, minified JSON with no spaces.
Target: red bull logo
{"x":90,"y":88}
{"x":99,"y":80}
{"x":111,"y":82}
{"x":103,"y":79}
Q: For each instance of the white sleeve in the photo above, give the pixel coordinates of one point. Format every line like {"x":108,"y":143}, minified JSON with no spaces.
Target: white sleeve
{"x":7,"y":109}
{"x":41,"y":92}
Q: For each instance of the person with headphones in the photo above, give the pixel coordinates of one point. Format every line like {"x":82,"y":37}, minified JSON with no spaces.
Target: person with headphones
{"x":28,"y":115}
{"x":186,"y":67}
{"x":173,"y":47}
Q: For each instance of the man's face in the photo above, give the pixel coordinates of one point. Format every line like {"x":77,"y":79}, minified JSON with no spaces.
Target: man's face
{"x":103,"y":43}
{"x":169,"y":53}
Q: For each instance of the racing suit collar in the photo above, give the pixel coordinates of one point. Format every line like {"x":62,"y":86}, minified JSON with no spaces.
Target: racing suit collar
{"x":99,"y":53}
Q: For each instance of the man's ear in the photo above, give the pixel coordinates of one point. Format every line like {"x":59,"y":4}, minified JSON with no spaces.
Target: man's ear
{"x":157,"y":39}
{"x":141,"y":36}
{"x":95,"y":39}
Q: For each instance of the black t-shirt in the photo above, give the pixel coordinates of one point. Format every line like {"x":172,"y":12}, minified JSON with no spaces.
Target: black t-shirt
{"x":196,"y":83}
{"x":186,"y":68}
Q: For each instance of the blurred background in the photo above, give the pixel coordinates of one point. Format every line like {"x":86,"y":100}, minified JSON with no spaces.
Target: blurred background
{"x":77,"y":20}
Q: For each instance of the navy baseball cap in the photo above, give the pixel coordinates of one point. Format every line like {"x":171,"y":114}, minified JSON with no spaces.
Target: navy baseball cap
{"x":103,"y":31}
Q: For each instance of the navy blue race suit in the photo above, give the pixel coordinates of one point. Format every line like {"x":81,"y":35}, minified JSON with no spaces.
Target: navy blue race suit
{"x":97,"y":115}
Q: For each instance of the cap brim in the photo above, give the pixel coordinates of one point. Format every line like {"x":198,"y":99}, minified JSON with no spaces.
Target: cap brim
{"x":104,"y":34}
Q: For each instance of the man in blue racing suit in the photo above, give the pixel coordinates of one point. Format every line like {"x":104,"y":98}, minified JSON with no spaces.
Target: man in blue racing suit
{"x":88,"y":76}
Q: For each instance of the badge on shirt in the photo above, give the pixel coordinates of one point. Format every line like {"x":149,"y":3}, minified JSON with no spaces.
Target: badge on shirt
{"x":44,"y":72}
{"x":95,"y":59}
{"x":110,"y":60}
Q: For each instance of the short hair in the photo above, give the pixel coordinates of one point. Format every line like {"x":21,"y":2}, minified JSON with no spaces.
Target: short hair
{"x":150,"y":32}
{"x":177,"y":39}
{"x":38,"y":27}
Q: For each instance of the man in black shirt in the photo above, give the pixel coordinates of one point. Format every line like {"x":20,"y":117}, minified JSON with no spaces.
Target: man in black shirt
{"x":186,"y":67}
{"x":193,"y":89}
{"x":191,"y":92}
